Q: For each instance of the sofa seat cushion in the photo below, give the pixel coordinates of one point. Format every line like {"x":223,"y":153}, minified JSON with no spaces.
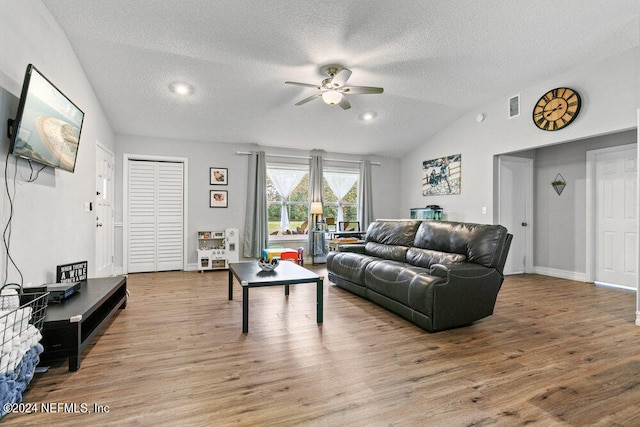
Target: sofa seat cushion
{"x":349,"y":265}
{"x":393,"y":279}
{"x":426,"y":257}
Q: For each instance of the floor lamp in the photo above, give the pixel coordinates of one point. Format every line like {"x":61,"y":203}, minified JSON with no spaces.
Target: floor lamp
{"x":316,"y":209}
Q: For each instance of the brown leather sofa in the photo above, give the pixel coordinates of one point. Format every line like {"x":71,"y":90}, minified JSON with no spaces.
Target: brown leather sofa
{"x":437,"y":274}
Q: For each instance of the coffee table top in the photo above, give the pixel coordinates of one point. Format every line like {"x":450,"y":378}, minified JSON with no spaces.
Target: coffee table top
{"x":287,"y":273}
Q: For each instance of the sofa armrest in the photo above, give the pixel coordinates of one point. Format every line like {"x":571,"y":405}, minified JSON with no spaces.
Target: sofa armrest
{"x":460,"y":269}
{"x":468,"y":294}
{"x":352,"y":247}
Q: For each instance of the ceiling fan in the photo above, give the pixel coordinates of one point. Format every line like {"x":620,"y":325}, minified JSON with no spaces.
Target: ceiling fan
{"x":333,"y":89}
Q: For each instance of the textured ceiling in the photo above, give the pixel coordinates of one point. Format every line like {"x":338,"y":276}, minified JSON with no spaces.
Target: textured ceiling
{"x":436,"y":60}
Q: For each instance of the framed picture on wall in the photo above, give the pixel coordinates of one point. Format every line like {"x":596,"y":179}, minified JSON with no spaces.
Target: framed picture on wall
{"x":218,"y":199}
{"x":218,"y":176}
{"x":442,"y":176}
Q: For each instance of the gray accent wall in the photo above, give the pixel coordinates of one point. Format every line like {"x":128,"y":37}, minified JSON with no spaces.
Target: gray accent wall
{"x":560,"y":222}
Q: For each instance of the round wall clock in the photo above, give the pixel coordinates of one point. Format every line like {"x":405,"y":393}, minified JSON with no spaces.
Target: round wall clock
{"x":556,"y":109}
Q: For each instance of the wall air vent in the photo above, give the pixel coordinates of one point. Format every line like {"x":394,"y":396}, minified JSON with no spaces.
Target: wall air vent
{"x":514,"y":106}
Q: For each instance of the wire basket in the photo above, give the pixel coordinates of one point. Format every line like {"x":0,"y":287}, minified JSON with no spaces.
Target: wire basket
{"x":22,"y":316}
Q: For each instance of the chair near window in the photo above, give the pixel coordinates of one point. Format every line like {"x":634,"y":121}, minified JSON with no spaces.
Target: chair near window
{"x":349,"y":226}
{"x":303,"y":228}
{"x":331,"y":224}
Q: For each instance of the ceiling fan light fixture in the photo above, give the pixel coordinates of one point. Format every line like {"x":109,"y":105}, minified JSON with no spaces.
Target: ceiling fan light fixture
{"x":332,"y":97}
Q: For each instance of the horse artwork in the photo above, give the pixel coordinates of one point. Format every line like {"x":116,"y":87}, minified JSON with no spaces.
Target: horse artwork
{"x":442,"y":176}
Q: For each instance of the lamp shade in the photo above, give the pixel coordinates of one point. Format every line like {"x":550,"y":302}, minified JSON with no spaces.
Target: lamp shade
{"x":316,"y":207}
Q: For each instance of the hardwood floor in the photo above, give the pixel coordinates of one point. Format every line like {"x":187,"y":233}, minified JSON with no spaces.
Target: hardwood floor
{"x":555,"y":352}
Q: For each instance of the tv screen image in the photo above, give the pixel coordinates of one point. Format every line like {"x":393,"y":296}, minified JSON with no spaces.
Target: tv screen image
{"x":48,"y":124}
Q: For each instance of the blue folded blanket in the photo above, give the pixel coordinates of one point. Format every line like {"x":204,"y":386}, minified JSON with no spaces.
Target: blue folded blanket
{"x":14,"y":383}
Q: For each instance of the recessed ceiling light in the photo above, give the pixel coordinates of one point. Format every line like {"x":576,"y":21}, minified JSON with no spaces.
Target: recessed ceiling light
{"x":368,"y":116}
{"x":181,"y":88}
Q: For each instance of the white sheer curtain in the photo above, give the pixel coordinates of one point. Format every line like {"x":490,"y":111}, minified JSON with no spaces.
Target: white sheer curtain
{"x":285,"y":181}
{"x":340,"y":183}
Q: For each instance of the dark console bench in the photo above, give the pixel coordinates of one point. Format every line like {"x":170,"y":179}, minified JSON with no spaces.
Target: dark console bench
{"x":69,"y":326}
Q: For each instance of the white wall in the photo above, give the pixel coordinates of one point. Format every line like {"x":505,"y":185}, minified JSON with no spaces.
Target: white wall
{"x":608,"y":91}
{"x":610,"y":101}
{"x":50,"y":226}
{"x":203,"y":155}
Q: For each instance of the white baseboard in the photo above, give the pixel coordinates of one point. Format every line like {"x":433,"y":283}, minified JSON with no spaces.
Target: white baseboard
{"x":561,"y":274}
{"x":614,"y":286}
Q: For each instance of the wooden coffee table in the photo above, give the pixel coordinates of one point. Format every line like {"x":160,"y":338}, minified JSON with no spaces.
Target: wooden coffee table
{"x":287,"y":273}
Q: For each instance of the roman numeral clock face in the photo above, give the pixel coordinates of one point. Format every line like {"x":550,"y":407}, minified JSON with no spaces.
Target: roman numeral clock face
{"x":556,"y":109}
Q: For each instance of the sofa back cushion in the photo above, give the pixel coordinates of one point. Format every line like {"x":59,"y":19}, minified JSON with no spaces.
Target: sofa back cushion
{"x":479,"y":243}
{"x":390,"y":239}
{"x":427,"y":257}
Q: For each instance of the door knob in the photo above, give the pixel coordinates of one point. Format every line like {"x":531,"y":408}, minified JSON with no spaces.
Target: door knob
{"x":99,"y":224}
{"x":524,"y":224}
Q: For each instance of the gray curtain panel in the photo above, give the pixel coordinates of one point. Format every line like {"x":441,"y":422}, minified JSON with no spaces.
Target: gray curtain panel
{"x":256,"y":224}
{"x":315,"y":187}
{"x":365,"y":196}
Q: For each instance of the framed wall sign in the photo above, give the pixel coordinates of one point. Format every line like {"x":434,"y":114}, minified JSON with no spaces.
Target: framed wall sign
{"x":218,"y":176}
{"x":74,"y":272}
{"x":218,"y":199}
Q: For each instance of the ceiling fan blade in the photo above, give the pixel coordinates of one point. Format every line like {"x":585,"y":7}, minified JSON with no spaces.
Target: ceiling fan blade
{"x":361,"y":89}
{"x":311,"y":98}
{"x":302,"y":84}
{"x":344,"y":104}
{"x":341,"y":77}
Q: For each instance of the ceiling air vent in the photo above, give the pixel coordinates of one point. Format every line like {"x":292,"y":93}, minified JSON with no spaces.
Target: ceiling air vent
{"x":514,"y":106}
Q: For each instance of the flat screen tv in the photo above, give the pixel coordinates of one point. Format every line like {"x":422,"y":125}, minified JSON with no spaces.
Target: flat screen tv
{"x":47,"y":126}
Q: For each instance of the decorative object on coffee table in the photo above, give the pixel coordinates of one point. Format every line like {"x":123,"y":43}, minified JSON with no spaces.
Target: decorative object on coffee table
{"x":267,"y":264}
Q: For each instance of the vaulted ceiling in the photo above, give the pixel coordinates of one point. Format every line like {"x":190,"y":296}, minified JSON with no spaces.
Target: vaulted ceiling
{"x":436,"y":61}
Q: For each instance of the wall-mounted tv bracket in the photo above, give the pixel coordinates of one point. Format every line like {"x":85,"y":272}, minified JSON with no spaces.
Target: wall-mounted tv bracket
{"x":10,"y":123}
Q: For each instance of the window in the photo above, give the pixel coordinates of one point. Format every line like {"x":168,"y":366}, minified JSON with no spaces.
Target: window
{"x":341,"y":194}
{"x":288,"y":199}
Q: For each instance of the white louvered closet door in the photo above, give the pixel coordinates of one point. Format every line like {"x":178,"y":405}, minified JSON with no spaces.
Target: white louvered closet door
{"x":155,"y":216}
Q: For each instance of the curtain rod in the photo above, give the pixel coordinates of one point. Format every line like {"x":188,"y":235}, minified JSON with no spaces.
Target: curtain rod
{"x":287,"y":156}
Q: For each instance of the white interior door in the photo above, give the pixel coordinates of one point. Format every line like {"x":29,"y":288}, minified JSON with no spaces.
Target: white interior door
{"x":516,"y":210}
{"x":104,"y":212}
{"x":155,"y":216}
{"x":616,"y":231}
